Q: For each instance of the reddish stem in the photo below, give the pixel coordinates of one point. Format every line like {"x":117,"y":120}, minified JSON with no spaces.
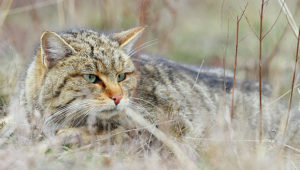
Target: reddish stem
{"x":260,"y":72}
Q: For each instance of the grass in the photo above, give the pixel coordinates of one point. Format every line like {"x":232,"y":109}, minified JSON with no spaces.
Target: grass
{"x":192,"y":31}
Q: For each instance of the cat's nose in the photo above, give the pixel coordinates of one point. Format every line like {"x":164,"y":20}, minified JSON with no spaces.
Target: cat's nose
{"x":117,"y":98}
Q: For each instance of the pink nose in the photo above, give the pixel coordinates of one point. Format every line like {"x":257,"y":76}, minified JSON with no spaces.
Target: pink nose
{"x":117,"y":98}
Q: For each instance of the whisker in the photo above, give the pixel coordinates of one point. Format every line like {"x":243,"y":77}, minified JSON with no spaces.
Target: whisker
{"x":142,"y":46}
{"x":73,"y":114}
{"x":83,"y":116}
{"x":58,"y":119}
{"x":146,"y":101}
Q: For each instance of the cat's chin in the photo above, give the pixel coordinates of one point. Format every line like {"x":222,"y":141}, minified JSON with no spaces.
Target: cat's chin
{"x":113,"y":110}
{"x":109,"y":113}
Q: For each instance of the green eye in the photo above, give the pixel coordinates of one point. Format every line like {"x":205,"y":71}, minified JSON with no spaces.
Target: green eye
{"x":90,"y":77}
{"x":121,"y":77}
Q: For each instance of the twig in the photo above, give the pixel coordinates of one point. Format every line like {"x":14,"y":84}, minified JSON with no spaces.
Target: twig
{"x":250,"y":26}
{"x":292,"y":88}
{"x":235,"y":59}
{"x":271,"y":28}
{"x":268,"y":60}
{"x":235,"y":64}
{"x":260,"y":65}
{"x":289,"y":17}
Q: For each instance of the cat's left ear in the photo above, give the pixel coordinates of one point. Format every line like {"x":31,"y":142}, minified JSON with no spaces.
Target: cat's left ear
{"x":126,"y":39}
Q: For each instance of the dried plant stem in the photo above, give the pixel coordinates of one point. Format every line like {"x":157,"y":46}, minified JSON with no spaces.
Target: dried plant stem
{"x":235,"y":64}
{"x":289,"y":16}
{"x":292,"y":88}
{"x":238,"y":19}
{"x":4,"y":9}
{"x":268,"y":60}
{"x":260,"y":70}
{"x":271,"y":28}
{"x":181,"y":156}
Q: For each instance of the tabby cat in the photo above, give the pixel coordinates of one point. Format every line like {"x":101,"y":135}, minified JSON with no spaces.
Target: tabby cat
{"x":81,"y":78}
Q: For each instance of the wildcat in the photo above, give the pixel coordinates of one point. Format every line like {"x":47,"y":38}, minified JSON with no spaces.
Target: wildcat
{"x":81,"y":78}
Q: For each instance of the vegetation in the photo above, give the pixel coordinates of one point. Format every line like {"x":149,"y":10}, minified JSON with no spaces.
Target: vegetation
{"x":194,"y":32}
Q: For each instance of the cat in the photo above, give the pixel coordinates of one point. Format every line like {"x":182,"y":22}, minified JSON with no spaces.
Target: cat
{"x":81,"y":78}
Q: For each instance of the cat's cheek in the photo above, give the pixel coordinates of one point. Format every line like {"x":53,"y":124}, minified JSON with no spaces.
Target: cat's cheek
{"x":123,"y":104}
{"x":128,"y":86}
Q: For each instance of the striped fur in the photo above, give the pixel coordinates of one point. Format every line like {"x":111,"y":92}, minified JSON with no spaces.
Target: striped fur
{"x":181,"y":99}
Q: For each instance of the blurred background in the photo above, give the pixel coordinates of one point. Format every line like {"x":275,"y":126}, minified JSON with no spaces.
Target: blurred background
{"x":188,"y":31}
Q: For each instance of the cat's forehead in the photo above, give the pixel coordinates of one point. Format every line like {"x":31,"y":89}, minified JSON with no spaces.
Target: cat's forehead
{"x":98,"y":47}
{"x":90,"y":42}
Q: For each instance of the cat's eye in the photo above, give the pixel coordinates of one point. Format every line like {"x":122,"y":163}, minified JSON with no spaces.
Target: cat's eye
{"x":121,"y":77}
{"x":90,"y":77}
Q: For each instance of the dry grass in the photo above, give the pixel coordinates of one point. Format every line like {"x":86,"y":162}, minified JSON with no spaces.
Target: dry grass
{"x":187,"y":31}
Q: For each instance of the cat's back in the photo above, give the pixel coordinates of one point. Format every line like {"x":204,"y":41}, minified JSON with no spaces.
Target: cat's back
{"x":166,"y":72}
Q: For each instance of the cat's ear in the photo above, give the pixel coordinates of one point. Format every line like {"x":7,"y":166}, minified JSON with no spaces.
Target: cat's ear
{"x":54,"y":48}
{"x":127,"y":38}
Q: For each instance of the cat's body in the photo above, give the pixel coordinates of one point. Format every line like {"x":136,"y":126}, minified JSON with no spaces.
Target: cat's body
{"x":62,"y":92}
{"x":196,"y":96}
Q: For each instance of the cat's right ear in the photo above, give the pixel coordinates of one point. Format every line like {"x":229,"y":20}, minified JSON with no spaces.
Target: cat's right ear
{"x":127,"y":38}
{"x":54,"y":48}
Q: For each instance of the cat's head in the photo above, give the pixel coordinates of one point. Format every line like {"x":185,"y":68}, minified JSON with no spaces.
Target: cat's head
{"x":86,"y":72}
